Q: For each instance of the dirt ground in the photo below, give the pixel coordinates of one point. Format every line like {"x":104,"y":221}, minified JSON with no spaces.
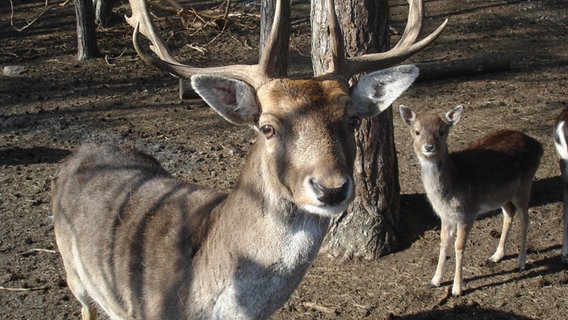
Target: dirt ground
{"x":59,"y":103}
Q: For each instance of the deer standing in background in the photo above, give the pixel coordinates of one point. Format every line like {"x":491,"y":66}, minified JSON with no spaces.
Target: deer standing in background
{"x":493,"y":172}
{"x":561,"y":144}
{"x":140,"y":244}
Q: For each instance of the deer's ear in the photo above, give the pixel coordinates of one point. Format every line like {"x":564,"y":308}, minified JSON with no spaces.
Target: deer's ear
{"x":234,"y":100}
{"x":377,"y":90}
{"x":454,"y":115}
{"x":407,"y":115}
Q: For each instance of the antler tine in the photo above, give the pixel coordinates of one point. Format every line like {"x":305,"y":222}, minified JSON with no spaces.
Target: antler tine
{"x":390,"y":58}
{"x":141,"y":17}
{"x":337,"y":46}
{"x":255,"y":75}
{"x":267,"y":62}
{"x":405,"y":48}
{"x":246,"y":73}
{"x":413,"y":25}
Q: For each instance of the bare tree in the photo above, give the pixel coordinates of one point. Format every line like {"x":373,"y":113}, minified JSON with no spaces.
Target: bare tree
{"x":87,"y":47}
{"x":90,"y":13}
{"x":103,"y":11}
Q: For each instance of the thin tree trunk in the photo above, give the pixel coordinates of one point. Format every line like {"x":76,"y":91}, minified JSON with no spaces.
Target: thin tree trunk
{"x":368,"y":229}
{"x":103,"y":11}
{"x":86,"y":32}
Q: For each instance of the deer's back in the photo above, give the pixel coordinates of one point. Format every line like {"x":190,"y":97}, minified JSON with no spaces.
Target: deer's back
{"x":499,"y":156}
{"x":118,"y":214}
{"x":490,"y":172}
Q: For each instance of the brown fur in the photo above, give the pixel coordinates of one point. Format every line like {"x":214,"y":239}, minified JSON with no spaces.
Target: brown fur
{"x":141,"y":244}
{"x":494,"y":171}
{"x":160,"y":248}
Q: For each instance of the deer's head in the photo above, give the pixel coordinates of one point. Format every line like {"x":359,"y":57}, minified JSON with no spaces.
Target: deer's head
{"x":305,"y":126}
{"x":430,"y":131}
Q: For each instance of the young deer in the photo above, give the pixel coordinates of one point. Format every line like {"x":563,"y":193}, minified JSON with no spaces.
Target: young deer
{"x":494,"y":171}
{"x":140,"y":244}
{"x":561,"y":144}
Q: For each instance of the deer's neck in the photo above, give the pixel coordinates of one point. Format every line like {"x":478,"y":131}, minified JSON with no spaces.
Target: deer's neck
{"x":263,"y":246}
{"x":438,"y":174}
{"x":293,"y":234}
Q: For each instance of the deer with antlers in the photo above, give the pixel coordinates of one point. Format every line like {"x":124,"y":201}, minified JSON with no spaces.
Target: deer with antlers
{"x":140,"y":244}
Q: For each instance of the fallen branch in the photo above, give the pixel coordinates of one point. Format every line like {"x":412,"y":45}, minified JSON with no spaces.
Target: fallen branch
{"x":43,"y":250}
{"x":23,"y":289}
{"x":107,"y":58}
{"x":463,"y":67}
{"x":32,"y":251}
{"x":319,"y":308}
{"x":185,"y":13}
{"x":47,"y":8}
{"x":205,"y":19}
{"x":443,"y":299}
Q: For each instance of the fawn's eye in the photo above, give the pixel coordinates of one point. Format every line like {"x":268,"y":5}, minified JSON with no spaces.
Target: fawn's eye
{"x":267,"y":130}
{"x":354,"y":122}
{"x":416,"y":132}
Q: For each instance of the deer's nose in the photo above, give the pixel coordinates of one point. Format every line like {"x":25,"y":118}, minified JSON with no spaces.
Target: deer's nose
{"x":332,"y":195}
{"x":429,"y":147}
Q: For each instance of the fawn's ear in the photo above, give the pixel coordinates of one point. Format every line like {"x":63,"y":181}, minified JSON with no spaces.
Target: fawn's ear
{"x":377,"y":90}
{"x":407,"y":115}
{"x":234,"y":100}
{"x":454,"y":115}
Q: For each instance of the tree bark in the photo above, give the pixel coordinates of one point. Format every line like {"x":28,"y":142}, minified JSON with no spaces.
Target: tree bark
{"x":369,"y":228}
{"x":86,"y":32}
{"x":103,"y":11}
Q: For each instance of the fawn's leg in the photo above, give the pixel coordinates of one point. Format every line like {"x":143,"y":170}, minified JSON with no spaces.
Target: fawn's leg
{"x":508,"y":214}
{"x":524,"y":215}
{"x":461,"y":240}
{"x":446,"y":232}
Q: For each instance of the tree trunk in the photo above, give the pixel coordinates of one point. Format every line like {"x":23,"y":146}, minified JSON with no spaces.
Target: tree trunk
{"x":463,"y":67}
{"x":369,"y":228}
{"x":267,"y":8}
{"x":86,"y":32}
{"x":103,"y":11}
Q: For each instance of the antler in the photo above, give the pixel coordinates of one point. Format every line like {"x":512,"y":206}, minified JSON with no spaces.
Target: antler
{"x":258,"y":74}
{"x":255,"y":75}
{"x":407,"y":46}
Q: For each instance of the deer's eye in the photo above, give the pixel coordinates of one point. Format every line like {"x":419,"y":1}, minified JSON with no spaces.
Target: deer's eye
{"x":416,"y":132}
{"x":267,"y":130}
{"x":354,"y":122}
